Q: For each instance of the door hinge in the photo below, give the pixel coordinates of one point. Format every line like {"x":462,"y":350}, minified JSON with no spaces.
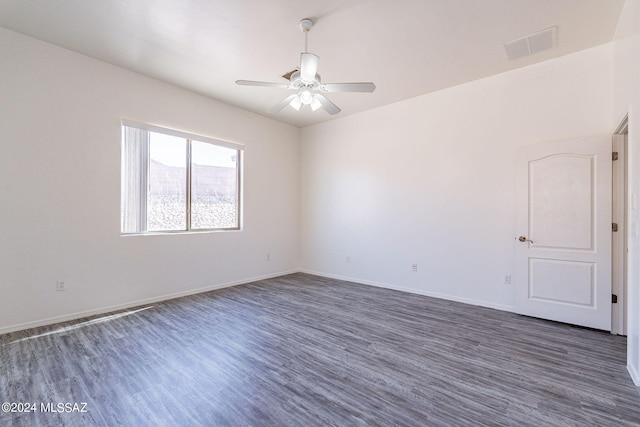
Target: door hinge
{"x":614,"y":156}
{"x":614,"y":227}
{"x":614,"y":299}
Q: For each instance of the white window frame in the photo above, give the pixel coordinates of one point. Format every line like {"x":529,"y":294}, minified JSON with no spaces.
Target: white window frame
{"x":142,"y":178}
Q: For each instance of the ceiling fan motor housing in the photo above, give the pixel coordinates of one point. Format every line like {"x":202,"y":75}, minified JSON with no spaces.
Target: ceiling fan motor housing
{"x":297,"y":82}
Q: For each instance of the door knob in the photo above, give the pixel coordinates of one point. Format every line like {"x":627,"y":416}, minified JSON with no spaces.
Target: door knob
{"x":524,"y":239}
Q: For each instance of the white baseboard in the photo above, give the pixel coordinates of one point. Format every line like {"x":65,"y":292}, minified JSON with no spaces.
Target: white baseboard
{"x":124,"y":306}
{"x":102,"y":310}
{"x":447,"y":297}
{"x":635,"y":375}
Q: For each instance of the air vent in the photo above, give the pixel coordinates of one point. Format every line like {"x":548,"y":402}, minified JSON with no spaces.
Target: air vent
{"x":288,"y":75}
{"x":534,"y":43}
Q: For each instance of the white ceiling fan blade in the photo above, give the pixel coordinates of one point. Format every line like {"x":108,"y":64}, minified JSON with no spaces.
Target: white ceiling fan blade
{"x":348,"y":87}
{"x":327,"y":105}
{"x":266,"y":84}
{"x":280,"y":105}
{"x":308,"y":66}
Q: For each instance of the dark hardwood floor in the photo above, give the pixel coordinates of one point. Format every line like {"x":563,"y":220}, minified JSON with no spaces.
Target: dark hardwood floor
{"x":302,"y":350}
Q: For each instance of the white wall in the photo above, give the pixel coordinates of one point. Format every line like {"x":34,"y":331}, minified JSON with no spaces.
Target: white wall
{"x":426,"y":181}
{"x":626,"y":89}
{"x":430,"y":180}
{"x":60,"y":189}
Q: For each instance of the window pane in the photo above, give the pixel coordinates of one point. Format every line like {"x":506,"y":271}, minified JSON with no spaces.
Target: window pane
{"x":167,"y":196}
{"x":214,"y":186}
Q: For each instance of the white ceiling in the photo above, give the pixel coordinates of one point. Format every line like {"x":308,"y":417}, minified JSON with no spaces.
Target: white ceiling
{"x":407,"y":47}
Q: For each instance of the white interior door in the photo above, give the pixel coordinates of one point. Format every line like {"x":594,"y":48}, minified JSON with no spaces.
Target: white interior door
{"x":563,"y":251}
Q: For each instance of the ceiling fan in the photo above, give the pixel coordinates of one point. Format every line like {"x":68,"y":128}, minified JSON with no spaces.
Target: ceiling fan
{"x":306,"y":82}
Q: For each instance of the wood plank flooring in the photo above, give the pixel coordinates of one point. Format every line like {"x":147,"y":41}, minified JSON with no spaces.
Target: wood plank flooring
{"x":302,"y":350}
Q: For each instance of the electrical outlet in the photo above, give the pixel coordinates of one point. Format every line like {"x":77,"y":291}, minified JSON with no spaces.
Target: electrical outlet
{"x":268,"y":257}
{"x":348,"y":259}
{"x":61,"y":286}
{"x":506,"y":279}
{"x":414,"y":268}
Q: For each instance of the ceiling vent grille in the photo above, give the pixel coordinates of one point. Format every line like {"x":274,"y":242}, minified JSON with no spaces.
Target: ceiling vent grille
{"x":534,"y":43}
{"x":288,"y":75}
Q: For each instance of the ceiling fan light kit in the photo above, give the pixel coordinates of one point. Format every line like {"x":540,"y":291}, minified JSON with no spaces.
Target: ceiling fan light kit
{"x":306,"y":81}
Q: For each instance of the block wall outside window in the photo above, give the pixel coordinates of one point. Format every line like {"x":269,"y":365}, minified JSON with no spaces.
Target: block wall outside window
{"x":178,"y":182}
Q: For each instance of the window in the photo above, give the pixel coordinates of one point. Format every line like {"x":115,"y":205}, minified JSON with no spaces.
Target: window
{"x":174,"y":181}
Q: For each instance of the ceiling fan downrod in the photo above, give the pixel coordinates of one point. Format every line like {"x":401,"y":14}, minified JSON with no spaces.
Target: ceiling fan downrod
{"x":305,"y":25}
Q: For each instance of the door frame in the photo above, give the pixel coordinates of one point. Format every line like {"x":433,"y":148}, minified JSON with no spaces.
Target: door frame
{"x":619,"y":239}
